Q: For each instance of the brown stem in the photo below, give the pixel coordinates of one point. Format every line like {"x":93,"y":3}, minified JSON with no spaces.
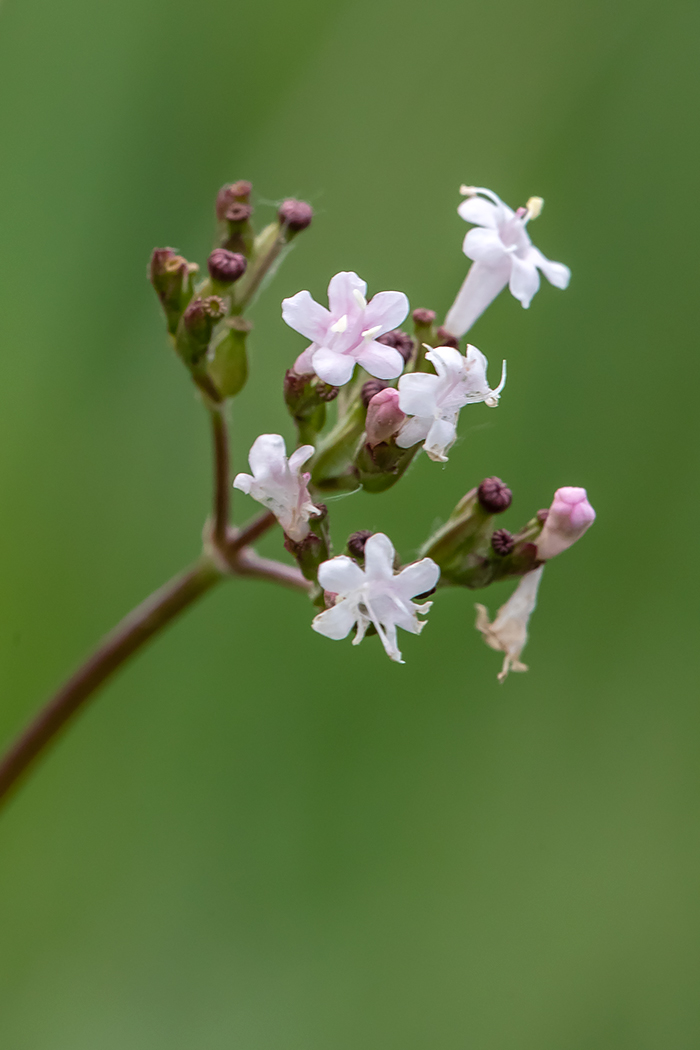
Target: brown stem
{"x":248,"y":563}
{"x":127,"y":637}
{"x":222,"y":474}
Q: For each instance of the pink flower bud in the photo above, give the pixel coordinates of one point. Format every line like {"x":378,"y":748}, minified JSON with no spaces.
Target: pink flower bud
{"x":567,"y":520}
{"x":384,"y":417}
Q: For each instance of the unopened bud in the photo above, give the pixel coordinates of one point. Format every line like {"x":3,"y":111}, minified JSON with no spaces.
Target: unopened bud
{"x":422,"y":317}
{"x":226,"y":267}
{"x":494,"y":495}
{"x":196,"y":327}
{"x":370,"y":388}
{"x":446,"y":338}
{"x":384,"y":417}
{"x":170,"y":274}
{"x":233,"y":193}
{"x":295,"y":215}
{"x":400,"y":341}
{"x":568,"y":518}
{"x":502,"y":542}
{"x":356,"y":543}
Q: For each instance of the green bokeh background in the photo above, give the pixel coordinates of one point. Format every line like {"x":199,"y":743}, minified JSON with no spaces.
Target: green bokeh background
{"x":257,"y":838}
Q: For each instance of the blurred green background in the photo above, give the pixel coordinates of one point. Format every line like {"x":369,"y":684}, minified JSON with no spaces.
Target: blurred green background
{"x":257,"y":838}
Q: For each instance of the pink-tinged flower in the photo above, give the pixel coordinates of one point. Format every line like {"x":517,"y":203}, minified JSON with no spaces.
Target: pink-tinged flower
{"x":384,"y":417}
{"x":502,"y":254}
{"x":567,"y":520}
{"x":375,"y":595}
{"x":278,"y":483}
{"x":508,"y":632}
{"x":434,"y":401}
{"x":346,"y":334}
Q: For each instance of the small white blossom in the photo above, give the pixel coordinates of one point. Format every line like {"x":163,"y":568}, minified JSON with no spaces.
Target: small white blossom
{"x":278,"y":483}
{"x":376,"y":595}
{"x":502,"y":254}
{"x":346,"y":334}
{"x":434,"y":401}
{"x":508,"y":632}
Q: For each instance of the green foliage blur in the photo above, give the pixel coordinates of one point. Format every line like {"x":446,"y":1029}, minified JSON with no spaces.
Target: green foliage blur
{"x":257,"y":838}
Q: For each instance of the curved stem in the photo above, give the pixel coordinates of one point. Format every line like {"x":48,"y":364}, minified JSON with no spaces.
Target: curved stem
{"x":127,"y":637}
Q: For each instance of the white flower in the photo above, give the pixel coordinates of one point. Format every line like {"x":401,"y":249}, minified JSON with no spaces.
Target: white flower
{"x":346,"y":334}
{"x":434,"y":401}
{"x":376,"y":595}
{"x":278,"y":484}
{"x":502,"y":254}
{"x":508,"y":632}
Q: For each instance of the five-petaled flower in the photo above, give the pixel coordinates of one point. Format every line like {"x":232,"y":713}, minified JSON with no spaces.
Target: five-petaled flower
{"x":434,"y":401}
{"x":346,"y":334}
{"x":376,"y":595}
{"x":277,"y":483}
{"x":508,"y":632}
{"x":567,"y":520}
{"x":502,"y":254}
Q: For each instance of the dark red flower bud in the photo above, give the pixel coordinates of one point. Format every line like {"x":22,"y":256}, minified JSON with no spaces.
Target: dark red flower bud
{"x":502,"y":542}
{"x":424,"y":317}
{"x":400,"y":341}
{"x":446,"y":338}
{"x":494,"y":495}
{"x":233,"y":193}
{"x":238,"y":212}
{"x":370,"y":388}
{"x":295,"y":215}
{"x":356,"y":543}
{"x":226,"y":267}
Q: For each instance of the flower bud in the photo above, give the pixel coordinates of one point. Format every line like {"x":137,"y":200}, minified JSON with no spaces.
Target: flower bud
{"x":502,"y":542}
{"x":381,"y":466}
{"x":384,"y":417}
{"x":424,"y":318}
{"x":356,"y":543}
{"x":295,"y":215}
{"x":233,"y":193}
{"x":446,"y":338}
{"x":370,"y":388}
{"x":233,"y":211}
{"x":400,"y":341}
{"x":568,"y":518}
{"x":196,"y":326}
{"x":171,"y":276}
{"x":494,"y":495}
{"x":226,"y":267}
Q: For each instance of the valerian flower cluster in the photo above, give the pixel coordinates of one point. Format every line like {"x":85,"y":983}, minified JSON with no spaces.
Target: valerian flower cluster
{"x":392,"y":394}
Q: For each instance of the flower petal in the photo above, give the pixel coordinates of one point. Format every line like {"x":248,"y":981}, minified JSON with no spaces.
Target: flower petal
{"x":336,"y":623}
{"x":341,"y":575}
{"x":303,"y":366}
{"x":299,"y":457}
{"x":341,"y":297}
{"x":333,"y":368}
{"x":305,"y":315}
{"x":417,"y":578}
{"x":481,"y":286}
{"x":243,"y":482}
{"x":379,"y":557}
{"x":387,"y":309}
{"x":414,"y":430}
{"x":448,"y":362}
{"x":441,"y":437}
{"x":484,"y":246}
{"x":418,"y":393}
{"x":556,"y":273}
{"x":480,"y":212}
{"x":524,"y":279}
{"x":380,"y":361}
{"x":267,"y":454}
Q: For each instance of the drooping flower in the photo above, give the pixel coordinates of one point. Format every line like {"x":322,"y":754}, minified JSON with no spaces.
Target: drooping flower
{"x":346,"y":334}
{"x":567,"y":520}
{"x":277,"y":483}
{"x":502,"y":254}
{"x":434,"y":401}
{"x":508,"y":632}
{"x":375,"y":595}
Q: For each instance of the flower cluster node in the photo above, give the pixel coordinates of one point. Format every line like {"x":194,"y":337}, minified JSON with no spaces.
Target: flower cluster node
{"x":356,"y":543}
{"x":502,"y":542}
{"x":225,"y":266}
{"x":494,"y":495}
{"x":295,"y":215}
{"x":400,"y":341}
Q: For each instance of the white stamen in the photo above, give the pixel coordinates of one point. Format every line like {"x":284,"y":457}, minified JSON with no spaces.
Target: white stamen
{"x":359,"y":298}
{"x":341,"y":324}
{"x":534,"y":208}
{"x":370,"y":333}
